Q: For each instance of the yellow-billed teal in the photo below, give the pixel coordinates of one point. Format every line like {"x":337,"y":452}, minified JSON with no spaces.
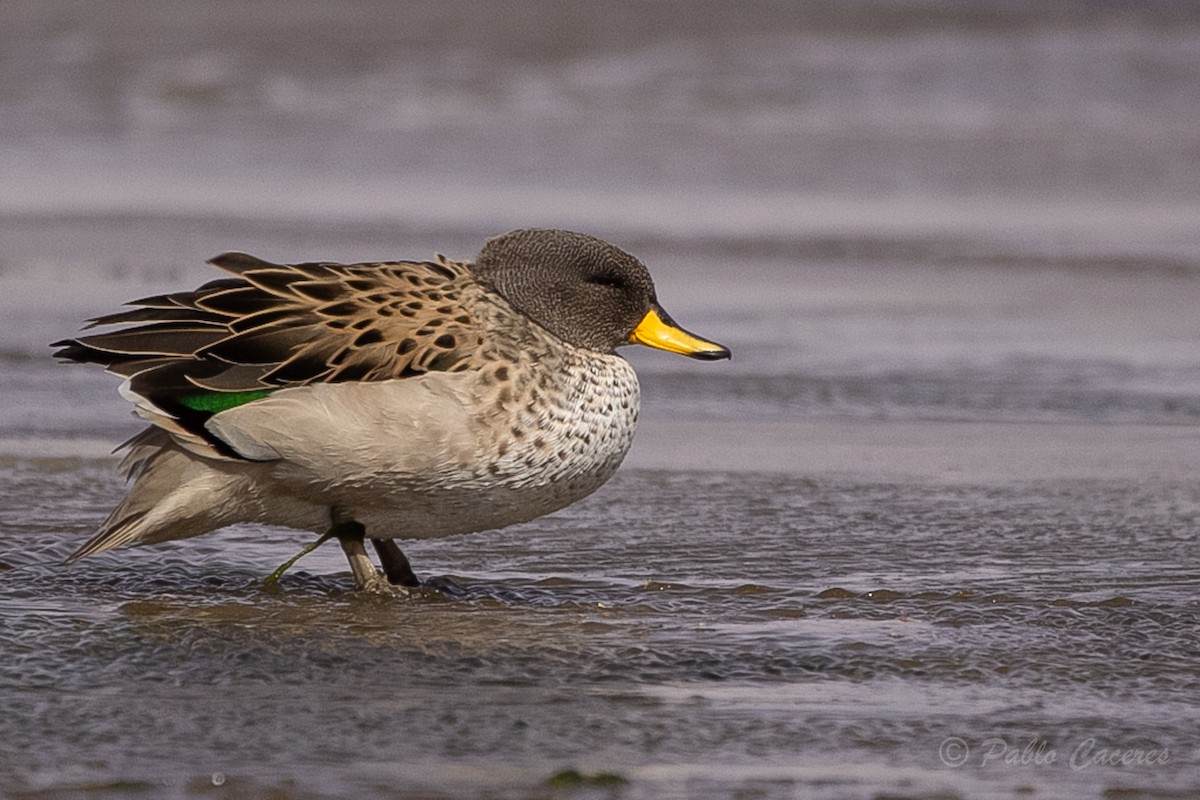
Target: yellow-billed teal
{"x":385,"y":400}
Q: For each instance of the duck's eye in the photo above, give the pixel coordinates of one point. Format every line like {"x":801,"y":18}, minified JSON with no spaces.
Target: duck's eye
{"x":610,"y":281}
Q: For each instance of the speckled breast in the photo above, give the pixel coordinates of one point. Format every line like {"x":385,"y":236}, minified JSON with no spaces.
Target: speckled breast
{"x":547,"y":433}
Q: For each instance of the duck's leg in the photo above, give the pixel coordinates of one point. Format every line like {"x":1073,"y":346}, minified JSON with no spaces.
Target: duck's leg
{"x":350,"y":535}
{"x":285,"y":566}
{"x":395,"y":563}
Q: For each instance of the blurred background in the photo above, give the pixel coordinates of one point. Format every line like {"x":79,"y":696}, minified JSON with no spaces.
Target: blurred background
{"x":945,"y":488}
{"x":752,"y":120}
{"x":917,"y":209}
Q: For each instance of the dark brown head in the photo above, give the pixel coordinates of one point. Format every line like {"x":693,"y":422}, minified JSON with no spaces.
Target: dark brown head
{"x":585,"y":291}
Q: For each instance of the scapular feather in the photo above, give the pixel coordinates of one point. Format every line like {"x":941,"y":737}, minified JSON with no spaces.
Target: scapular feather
{"x":273,"y":326}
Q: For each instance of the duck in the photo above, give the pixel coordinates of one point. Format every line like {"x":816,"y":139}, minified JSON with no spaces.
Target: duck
{"x":380,"y":401}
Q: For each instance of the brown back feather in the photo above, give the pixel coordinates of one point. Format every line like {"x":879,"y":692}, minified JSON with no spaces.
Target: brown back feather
{"x":289,"y":325}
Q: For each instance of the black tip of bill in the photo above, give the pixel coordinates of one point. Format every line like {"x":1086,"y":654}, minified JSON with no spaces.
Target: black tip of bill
{"x":719,"y":353}
{"x":659,"y":331}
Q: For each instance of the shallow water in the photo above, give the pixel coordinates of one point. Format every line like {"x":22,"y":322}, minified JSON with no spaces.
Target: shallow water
{"x":931,"y":533}
{"x":694,"y":633}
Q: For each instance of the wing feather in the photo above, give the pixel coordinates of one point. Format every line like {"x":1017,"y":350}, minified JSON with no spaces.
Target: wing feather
{"x":273,"y":325}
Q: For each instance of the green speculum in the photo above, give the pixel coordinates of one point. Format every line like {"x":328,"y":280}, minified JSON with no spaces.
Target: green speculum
{"x":216,"y":402}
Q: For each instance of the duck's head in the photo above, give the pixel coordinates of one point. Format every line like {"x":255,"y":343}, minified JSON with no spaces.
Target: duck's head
{"x":585,"y":291}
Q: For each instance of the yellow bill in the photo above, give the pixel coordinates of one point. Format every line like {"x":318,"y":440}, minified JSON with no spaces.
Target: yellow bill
{"x":658,"y":330}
